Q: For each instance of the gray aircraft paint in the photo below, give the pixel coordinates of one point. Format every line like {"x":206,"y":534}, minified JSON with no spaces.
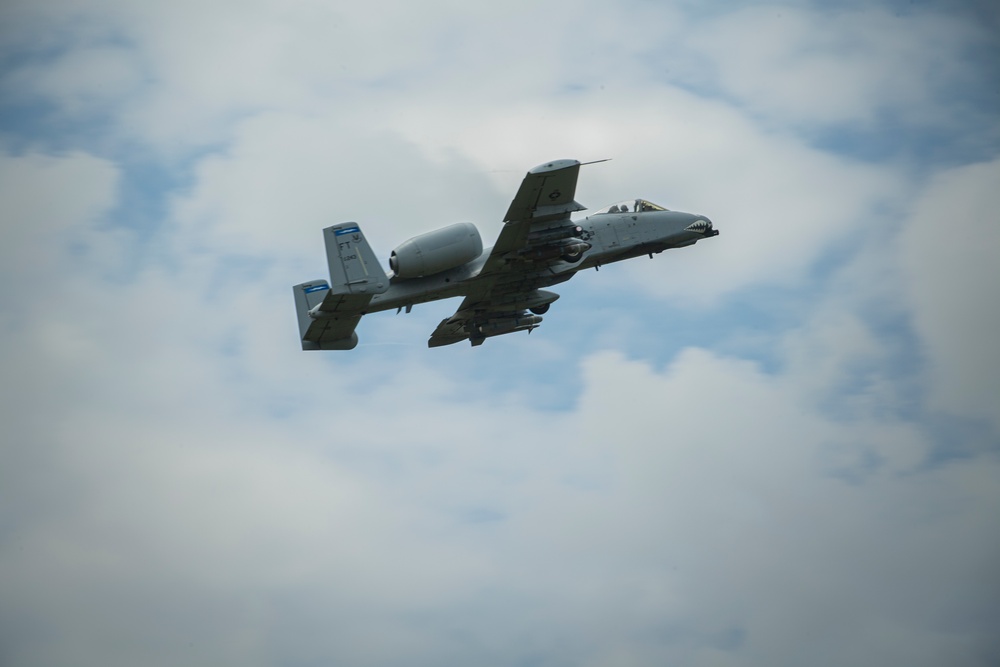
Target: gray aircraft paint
{"x":539,"y":246}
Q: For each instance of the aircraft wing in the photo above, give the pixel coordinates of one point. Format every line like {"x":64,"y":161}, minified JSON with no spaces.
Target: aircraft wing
{"x":536,"y":228}
{"x":477,"y":320}
{"x":453,"y":329}
{"x":544,"y":200}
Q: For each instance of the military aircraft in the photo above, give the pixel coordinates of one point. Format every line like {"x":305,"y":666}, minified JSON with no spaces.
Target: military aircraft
{"x":539,"y":246}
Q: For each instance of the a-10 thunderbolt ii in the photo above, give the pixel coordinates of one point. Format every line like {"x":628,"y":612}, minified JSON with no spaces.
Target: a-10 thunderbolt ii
{"x":539,"y":246}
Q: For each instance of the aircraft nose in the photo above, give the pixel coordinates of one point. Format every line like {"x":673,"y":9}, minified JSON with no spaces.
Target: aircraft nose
{"x":702,"y":225}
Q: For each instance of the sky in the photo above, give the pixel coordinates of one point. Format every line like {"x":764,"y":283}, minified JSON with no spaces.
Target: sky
{"x":780,"y":446}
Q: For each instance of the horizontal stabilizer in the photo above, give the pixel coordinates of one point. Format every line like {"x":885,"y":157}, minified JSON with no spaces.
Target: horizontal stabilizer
{"x":319,"y":330}
{"x":328,"y":313}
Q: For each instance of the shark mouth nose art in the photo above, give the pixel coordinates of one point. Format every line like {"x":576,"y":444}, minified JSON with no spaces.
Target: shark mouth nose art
{"x":702,"y":227}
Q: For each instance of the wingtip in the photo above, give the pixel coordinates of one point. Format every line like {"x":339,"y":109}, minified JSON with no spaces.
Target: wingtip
{"x":554,"y":165}
{"x":557,"y":165}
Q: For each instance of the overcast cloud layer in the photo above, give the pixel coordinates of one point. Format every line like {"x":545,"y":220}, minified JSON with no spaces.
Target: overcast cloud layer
{"x":778,"y":447}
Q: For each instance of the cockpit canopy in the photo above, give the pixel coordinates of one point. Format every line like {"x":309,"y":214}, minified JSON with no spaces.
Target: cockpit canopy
{"x":631,"y":206}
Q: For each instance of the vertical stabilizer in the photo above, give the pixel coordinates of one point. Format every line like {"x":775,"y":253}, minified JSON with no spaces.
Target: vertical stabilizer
{"x":354,"y":269}
{"x":308,"y":296}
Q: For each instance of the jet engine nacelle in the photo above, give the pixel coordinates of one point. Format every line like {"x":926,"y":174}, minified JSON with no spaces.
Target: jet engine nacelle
{"x":436,"y":251}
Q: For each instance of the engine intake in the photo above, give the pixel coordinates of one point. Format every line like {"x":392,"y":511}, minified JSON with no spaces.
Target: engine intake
{"x":436,"y":251}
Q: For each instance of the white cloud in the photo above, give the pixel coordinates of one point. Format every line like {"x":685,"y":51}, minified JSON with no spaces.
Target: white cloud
{"x":689,"y":514}
{"x":288,"y":176}
{"x":46,"y":199}
{"x":721,"y":492}
{"x":778,"y":203}
{"x":947,"y":253}
{"x":49,"y":204}
{"x":182,"y":484}
{"x":697,"y":514}
{"x":81,"y":82}
{"x":184,"y":83}
{"x":804,"y":66}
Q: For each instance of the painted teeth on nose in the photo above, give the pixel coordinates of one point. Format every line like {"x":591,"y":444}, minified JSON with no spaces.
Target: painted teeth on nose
{"x":697,"y":226}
